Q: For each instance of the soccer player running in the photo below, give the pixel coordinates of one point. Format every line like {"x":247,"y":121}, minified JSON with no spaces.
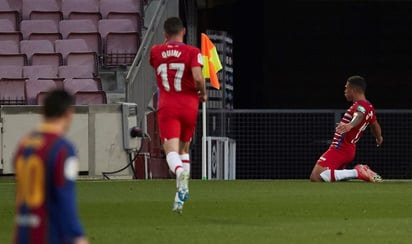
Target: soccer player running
{"x":181,"y":86}
{"x":46,"y":167}
{"x":331,"y":165}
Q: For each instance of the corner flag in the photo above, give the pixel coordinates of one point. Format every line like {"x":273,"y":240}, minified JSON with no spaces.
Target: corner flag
{"x":211,"y":61}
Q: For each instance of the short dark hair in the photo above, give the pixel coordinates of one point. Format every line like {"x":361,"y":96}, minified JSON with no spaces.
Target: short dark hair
{"x":357,"y":81}
{"x":173,"y":25}
{"x":56,"y":103}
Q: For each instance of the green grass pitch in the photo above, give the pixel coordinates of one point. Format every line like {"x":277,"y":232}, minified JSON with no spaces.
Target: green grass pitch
{"x":238,"y":211}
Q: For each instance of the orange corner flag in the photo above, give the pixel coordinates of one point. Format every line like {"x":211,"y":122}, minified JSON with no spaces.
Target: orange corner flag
{"x":211,"y":61}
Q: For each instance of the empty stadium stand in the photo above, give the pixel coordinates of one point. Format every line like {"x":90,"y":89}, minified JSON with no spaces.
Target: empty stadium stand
{"x":82,"y":9}
{"x":40,"y":52}
{"x":42,"y":9}
{"x":10,"y":53}
{"x":13,"y":59}
{"x":75,"y":71}
{"x":12,"y":16}
{"x":119,"y":38}
{"x":12,"y":91}
{"x":54,"y":40}
{"x":7,"y":25}
{"x":85,"y":29}
{"x":90,"y":97}
{"x":122,"y":9}
{"x":40,"y":29}
{"x":86,"y":47}
{"x":74,"y":85}
{"x":34,"y":87}
{"x":9,"y":47}
{"x":11,"y":71}
{"x":15,"y":36}
{"x":40,"y":71}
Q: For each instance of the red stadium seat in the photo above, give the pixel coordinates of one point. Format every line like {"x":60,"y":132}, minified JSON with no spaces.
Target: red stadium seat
{"x":40,"y":52}
{"x":6,"y":25}
{"x":11,"y":15}
{"x":40,"y":29}
{"x":34,"y":87}
{"x":67,"y":46}
{"x":54,"y":59}
{"x":82,"y":9}
{"x":73,"y":85}
{"x":40,"y":71}
{"x":122,"y":9}
{"x":40,"y":97}
{"x":76,"y":26}
{"x":86,"y":59}
{"x":75,"y":71}
{"x":107,"y":26}
{"x":30,"y":47}
{"x":6,"y":5}
{"x":18,"y":59}
{"x":57,"y":80}
{"x":77,"y":52}
{"x":12,"y":92}
{"x":92,"y":39}
{"x":121,"y":48}
{"x":90,"y":97}
{"x":11,"y":71}
{"x":42,"y":9}
{"x":84,"y":29}
{"x":10,"y":54}
{"x":15,"y":36}
{"x":9,"y":47}
{"x":120,"y":41}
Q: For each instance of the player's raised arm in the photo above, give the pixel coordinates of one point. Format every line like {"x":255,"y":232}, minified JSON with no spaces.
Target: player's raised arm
{"x":376,"y":132}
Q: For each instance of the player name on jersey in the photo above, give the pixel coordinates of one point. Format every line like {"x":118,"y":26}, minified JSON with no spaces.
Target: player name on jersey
{"x":171,"y":53}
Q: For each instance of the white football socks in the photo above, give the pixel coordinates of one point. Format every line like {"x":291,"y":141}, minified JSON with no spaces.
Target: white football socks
{"x":342,"y":174}
{"x":177,"y":163}
{"x":186,"y":162}
{"x":174,"y":162}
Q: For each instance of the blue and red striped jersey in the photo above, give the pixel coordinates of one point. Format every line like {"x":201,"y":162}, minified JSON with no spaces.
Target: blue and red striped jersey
{"x":46,"y":168}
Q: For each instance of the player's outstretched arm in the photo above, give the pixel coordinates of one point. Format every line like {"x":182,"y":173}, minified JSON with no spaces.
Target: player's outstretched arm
{"x":376,"y":132}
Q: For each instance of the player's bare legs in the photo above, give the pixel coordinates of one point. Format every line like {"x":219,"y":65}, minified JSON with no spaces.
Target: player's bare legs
{"x":315,"y":175}
{"x":171,"y":148}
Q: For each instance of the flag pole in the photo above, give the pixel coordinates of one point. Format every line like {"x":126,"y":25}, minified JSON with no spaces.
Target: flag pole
{"x":210,"y":67}
{"x":204,"y":176}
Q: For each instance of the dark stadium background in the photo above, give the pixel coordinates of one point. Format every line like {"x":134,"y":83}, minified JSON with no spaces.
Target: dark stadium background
{"x":298,"y":54}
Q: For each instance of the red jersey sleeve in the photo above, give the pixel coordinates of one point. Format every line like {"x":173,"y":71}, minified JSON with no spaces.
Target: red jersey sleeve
{"x":197,"y":59}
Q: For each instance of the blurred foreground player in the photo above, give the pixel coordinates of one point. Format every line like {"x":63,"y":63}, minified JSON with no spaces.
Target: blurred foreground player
{"x":331,"y":165}
{"x":46,"y":169}
{"x":181,"y":86}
